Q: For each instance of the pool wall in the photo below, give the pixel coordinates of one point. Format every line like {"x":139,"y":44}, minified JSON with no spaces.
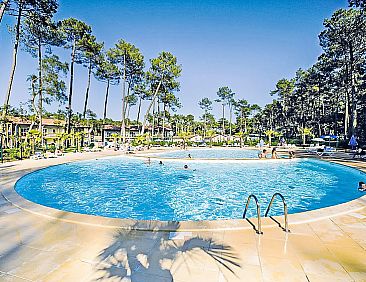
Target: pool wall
{"x":231,"y":224}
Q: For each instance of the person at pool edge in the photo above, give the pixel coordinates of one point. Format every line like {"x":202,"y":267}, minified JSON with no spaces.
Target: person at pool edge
{"x":362,"y":186}
{"x":274,"y":153}
{"x":291,"y":154}
{"x":263,"y":154}
{"x":189,"y":156}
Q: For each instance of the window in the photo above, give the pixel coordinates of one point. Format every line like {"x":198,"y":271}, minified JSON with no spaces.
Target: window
{"x":23,"y":131}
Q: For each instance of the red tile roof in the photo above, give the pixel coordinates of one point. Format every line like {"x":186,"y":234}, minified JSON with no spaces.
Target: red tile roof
{"x":45,"y":121}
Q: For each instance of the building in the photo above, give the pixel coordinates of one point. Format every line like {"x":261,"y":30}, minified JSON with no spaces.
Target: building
{"x":17,"y":128}
{"x":133,"y":131}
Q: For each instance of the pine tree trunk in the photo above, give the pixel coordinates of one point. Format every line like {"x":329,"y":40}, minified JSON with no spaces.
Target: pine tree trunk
{"x":128,"y":112}
{"x":205,"y":121}
{"x":346,"y":114}
{"x":106,"y":101}
{"x":105,"y":109}
{"x":158,"y":117}
{"x":87,"y":90}
{"x":2,"y":8}
{"x":126,"y":103}
{"x":69,"y":110}
{"x":231,"y":114}
{"x":123,"y":125}
{"x":149,"y":108}
{"x":33,"y":103}
{"x":353,"y":123}
{"x":223,"y":121}
{"x":153,"y":122}
{"x":40,"y":86}
{"x":14,"y":64}
{"x":138,"y":113}
{"x":163,"y":130}
{"x":241,"y":120}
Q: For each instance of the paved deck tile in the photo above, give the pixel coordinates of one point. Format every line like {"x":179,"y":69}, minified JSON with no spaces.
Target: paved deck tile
{"x":57,"y":247}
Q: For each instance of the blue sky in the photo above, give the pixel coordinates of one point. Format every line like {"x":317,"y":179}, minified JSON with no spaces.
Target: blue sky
{"x":244,"y":44}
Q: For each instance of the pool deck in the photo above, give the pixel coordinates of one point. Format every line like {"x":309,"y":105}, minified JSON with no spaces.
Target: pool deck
{"x":43,"y":244}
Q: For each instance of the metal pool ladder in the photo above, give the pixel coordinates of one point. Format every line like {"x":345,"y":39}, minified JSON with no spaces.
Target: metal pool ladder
{"x":284,"y":210}
{"x":259,"y":230}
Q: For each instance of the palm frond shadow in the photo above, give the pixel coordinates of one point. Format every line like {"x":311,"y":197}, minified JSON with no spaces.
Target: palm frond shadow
{"x":143,"y":256}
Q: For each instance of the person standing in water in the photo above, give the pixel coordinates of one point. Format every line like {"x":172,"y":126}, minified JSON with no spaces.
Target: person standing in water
{"x":263,"y":154}
{"x":274,"y":153}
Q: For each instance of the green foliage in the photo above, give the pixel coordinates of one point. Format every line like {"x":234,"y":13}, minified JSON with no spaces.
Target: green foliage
{"x":72,"y":32}
{"x":107,"y":71}
{"x":205,"y":104}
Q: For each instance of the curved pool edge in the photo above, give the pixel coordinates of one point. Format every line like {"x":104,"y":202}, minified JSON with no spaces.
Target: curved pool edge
{"x":18,"y":201}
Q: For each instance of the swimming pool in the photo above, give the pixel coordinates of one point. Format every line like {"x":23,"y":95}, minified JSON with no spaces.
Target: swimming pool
{"x":214,"y":153}
{"x":127,"y":187}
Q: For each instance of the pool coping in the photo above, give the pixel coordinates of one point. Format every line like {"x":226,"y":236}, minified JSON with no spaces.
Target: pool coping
{"x":18,"y":201}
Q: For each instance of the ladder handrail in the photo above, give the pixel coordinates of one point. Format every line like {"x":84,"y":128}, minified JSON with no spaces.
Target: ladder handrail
{"x":259,"y":231}
{"x":284,"y":208}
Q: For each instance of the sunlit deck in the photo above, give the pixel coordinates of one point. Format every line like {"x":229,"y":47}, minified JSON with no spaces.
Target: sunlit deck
{"x":41,"y":244}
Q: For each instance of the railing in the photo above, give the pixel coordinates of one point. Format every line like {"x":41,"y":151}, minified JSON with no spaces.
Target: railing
{"x":259,"y":230}
{"x":284,"y":209}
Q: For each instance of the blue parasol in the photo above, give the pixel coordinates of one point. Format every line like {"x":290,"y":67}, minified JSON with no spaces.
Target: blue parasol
{"x":329,"y":136}
{"x":353,"y":142}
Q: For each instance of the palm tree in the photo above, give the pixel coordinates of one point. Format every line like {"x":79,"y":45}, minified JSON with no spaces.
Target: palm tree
{"x":115,"y":138}
{"x":78,"y":136}
{"x":270,"y":134}
{"x":35,"y":137}
{"x":185,"y":135}
{"x":142,"y":139}
{"x":210,"y":134}
{"x":241,"y":135}
{"x":305,"y":132}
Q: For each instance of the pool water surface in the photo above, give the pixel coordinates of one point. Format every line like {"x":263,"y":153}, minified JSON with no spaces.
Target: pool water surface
{"x":127,"y":187}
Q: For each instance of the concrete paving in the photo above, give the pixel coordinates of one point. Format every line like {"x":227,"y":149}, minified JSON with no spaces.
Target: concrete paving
{"x":42,"y":244}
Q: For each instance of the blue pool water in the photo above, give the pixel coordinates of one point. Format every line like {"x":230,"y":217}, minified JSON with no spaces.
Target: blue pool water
{"x":228,"y":153}
{"x":126,"y":187}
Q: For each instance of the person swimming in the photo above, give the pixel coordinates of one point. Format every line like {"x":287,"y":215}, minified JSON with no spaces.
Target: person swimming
{"x":185,"y":167}
{"x":160,"y":162}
